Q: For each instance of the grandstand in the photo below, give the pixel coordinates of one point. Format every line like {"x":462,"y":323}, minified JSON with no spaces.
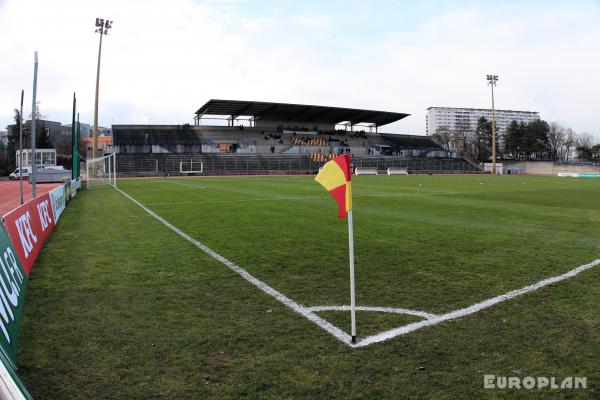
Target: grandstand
{"x":276,"y":138}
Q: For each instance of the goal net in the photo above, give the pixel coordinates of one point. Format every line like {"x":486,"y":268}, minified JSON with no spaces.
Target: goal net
{"x":191,"y":167}
{"x":101,"y":172}
{"x":365,"y":171}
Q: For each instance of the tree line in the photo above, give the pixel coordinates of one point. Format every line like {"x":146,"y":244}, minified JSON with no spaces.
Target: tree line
{"x":536,"y":140}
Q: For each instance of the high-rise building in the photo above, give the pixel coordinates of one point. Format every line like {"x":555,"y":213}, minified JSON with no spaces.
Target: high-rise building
{"x":464,"y":120}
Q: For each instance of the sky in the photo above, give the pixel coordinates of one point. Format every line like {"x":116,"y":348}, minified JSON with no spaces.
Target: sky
{"x":162,"y":60}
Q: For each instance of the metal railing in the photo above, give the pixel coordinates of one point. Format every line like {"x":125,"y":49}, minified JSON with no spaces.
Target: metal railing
{"x":253,"y":164}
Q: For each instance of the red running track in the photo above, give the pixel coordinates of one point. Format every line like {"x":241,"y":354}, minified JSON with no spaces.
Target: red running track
{"x":10,"y":198}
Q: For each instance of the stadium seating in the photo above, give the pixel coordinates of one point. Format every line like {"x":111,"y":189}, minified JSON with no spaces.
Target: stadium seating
{"x":252,"y":164}
{"x":154,"y":150}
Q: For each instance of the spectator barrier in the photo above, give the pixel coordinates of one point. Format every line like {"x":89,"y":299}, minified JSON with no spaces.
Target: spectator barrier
{"x":28,"y":226}
{"x":13,"y":282}
{"x":22,"y":235}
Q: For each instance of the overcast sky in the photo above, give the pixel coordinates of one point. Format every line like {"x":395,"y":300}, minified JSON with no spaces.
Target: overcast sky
{"x":164,"y":59}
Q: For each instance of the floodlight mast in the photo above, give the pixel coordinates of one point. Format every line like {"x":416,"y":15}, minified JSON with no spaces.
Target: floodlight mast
{"x":492,"y":80}
{"x":102,"y":28}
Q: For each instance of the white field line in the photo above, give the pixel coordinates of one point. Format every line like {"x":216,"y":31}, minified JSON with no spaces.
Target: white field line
{"x":309,"y":313}
{"x":390,"y":310}
{"x":334,"y":330}
{"x":296,"y":198}
{"x":183,"y":184}
{"x":380,"y":337}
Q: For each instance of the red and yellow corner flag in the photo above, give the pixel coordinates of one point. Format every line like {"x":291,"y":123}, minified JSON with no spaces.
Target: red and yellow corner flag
{"x":335,"y":178}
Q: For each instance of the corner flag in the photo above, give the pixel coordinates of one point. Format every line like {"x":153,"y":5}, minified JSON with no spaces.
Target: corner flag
{"x":335,"y":178}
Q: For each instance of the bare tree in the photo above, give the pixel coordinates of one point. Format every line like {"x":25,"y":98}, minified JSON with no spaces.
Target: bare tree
{"x":556,"y":138}
{"x":584,"y":144}
{"x":38,"y":113}
{"x":585,"y":140}
{"x":443,"y":135}
{"x":569,"y":144}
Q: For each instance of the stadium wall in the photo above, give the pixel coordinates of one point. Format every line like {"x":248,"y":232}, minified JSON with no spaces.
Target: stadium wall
{"x":552,"y":168}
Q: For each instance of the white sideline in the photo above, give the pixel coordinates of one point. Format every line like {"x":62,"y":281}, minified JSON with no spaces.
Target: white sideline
{"x":309,"y":312}
{"x":183,"y":184}
{"x":334,"y":330}
{"x":380,"y":337}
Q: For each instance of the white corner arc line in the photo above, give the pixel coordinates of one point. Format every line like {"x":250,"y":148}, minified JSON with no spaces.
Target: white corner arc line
{"x":327,"y":326}
{"x":390,"y":310}
{"x":380,"y":337}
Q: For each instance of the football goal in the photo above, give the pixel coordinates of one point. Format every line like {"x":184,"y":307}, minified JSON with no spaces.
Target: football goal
{"x":365,"y":171}
{"x":191,"y":167}
{"x":397,"y":171}
{"x":101,"y":172}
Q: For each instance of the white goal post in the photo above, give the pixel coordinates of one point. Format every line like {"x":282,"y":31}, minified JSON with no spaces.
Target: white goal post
{"x":191,"y":167}
{"x":101,"y":172}
{"x":365,"y":171}
{"x":397,"y":171}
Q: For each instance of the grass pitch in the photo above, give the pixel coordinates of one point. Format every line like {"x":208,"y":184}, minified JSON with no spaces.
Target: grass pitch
{"x":119,"y":306}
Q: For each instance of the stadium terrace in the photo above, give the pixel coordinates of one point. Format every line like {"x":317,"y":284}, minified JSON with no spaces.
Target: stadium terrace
{"x":276,"y":138}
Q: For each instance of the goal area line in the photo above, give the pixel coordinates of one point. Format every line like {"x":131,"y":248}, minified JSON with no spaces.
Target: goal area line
{"x":310,"y":312}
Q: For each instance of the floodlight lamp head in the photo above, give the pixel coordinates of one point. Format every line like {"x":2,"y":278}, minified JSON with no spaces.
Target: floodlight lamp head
{"x":108,"y":24}
{"x":492,"y":79}
{"x":99,"y":22}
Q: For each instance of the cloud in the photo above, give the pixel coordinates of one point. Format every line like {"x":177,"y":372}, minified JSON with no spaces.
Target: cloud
{"x":162,"y":61}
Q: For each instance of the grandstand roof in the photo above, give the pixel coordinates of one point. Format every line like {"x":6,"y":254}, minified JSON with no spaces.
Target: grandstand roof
{"x":297,"y":112}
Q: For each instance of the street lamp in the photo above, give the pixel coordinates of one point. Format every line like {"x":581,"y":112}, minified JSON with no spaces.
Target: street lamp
{"x":102,"y":28}
{"x":492,"y":80}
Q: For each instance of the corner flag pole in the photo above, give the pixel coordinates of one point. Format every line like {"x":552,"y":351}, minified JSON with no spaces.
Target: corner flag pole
{"x":335,"y":176}
{"x":352,"y":294}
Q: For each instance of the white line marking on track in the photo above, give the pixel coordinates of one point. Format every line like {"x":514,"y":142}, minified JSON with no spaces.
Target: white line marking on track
{"x":309,"y":313}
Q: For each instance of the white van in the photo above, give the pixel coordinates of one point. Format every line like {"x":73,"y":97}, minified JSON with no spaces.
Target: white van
{"x":15,"y":175}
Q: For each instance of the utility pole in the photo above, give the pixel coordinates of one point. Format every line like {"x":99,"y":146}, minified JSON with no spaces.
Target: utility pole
{"x":73,"y":143}
{"x":32,"y":176}
{"x":102,"y":27}
{"x":20,"y":160}
{"x":492,"y":80}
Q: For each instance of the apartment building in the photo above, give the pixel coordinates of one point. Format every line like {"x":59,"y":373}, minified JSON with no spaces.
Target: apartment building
{"x":464,"y":120}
